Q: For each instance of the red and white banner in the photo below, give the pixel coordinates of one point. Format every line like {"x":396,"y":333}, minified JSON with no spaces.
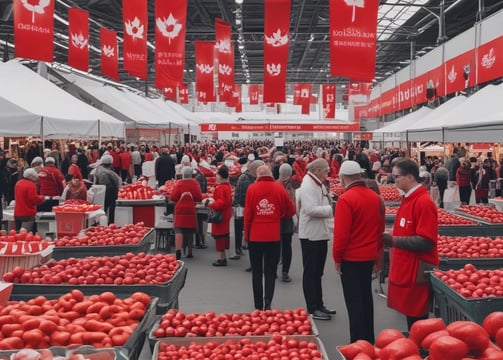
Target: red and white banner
{"x":135,"y":17}
{"x":225,"y":55}
{"x":460,"y":72}
{"x":302,"y":96}
{"x":205,"y":70}
{"x":170,"y":28}
{"x":169,"y":92}
{"x":235,"y":101}
{"x":253,"y":93}
{"x":276,"y":41}
{"x":328,"y":100}
{"x":78,"y":39}
{"x":353,"y":27}
{"x":490,"y":60}
{"x":362,"y":136}
{"x":183,"y":93}
{"x":359,"y":88}
{"x":109,"y":53}
{"x":287,"y":127}
{"x":34,"y":29}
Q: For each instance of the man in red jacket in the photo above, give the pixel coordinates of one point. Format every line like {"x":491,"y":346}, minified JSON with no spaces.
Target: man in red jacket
{"x":266,"y":204}
{"x":52,"y":183}
{"x":358,"y":227}
{"x":27,"y":199}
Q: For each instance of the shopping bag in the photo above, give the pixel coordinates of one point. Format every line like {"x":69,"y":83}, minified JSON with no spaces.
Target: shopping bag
{"x":451,"y":194}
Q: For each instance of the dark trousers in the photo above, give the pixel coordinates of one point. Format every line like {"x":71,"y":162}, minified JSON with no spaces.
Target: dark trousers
{"x":464,"y":194}
{"x":264,"y":257}
{"x":411,"y":320}
{"x":314,"y":255}
{"x":442,"y":185}
{"x":356,"y":278}
{"x":200,"y":229}
{"x":238,"y":233}
{"x":286,"y":252}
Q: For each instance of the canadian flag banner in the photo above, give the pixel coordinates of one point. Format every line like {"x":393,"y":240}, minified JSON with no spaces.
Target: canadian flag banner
{"x":253,"y":93}
{"x":489,"y":65}
{"x":353,"y":27}
{"x":34,"y":29}
{"x":170,"y":27}
{"x":301,"y":94}
{"x":169,"y":92}
{"x":276,"y":41}
{"x":460,"y":72}
{"x":78,"y":39}
{"x":225,"y":56}
{"x":360,"y":88}
{"x":135,"y":18}
{"x":183,"y":93}
{"x":205,"y":69}
{"x":235,"y":101}
{"x":109,"y":53}
{"x":328,"y":100}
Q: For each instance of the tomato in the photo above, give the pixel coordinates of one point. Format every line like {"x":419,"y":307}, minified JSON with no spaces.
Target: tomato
{"x":428,"y":340}
{"x":493,"y":322}
{"x":422,"y":328}
{"x":398,"y":349}
{"x":472,"y":334}
{"x":448,"y":348}
{"x":387,"y":336}
{"x":499,"y":338}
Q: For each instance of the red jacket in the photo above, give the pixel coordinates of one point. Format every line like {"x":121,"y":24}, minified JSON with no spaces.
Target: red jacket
{"x":27,"y":199}
{"x":223,"y":203}
{"x":358,"y":225}
{"x":266,"y":203}
{"x":463,"y":176}
{"x":185,"y":208}
{"x":116,"y":163}
{"x":126,"y":161}
{"x":51,"y":181}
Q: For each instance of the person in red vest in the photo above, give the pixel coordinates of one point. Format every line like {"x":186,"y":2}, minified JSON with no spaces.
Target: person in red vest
{"x":116,"y":160}
{"x":125,"y":164}
{"x":27,"y":199}
{"x":52,"y":183}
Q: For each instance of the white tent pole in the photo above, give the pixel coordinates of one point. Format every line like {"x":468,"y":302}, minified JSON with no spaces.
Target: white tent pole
{"x":99,"y":132}
{"x":42,"y":131}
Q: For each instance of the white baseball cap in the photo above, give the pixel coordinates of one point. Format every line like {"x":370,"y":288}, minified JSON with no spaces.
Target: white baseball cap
{"x":350,"y":167}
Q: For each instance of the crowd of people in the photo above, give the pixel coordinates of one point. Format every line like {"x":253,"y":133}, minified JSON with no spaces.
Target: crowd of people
{"x":276,"y":193}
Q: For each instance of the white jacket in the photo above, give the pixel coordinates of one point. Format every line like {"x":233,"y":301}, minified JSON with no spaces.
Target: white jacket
{"x":315,"y":211}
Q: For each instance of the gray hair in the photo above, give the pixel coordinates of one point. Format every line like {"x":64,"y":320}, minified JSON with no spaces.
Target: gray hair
{"x":254,"y":165}
{"x":186,"y":172}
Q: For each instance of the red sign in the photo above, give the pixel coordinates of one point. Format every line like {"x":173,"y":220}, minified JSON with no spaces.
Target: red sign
{"x":460,"y":72}
{"x":293,"y":127}
{"x":134,"y":13}
{"x":225,"y":53}
{"x":109,"y":53}
{"x":328,"y":100}
{"x":489,"y":65}
{"x":34,"y":29}
{"x":363,"y":136}
{"x":78,"y":39}
{"x":170,"y":92}
{"x":353,"y":27}
{"x":183,"y":93}
{"x":205,"y":86}
{"x":253,"y":92}
{"x":170,"y":19}
{"x":276,"y":40}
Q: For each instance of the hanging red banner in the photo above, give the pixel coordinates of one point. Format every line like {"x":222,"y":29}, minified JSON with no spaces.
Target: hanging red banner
{"x":328,"y":100}
{"x":489,"y":65}
{"x":109,"y":51}
{"x":78,"y":39}
{"x":183,"y":93}
{"x":135,"y":17}
{"x":253,"y":92}
{"x":302,"y":96}
{"x":34,"y":29}
{"x":169,"y":92}
{"x":235,"y":101}
{"x":353,"y":27}
{"x":287,"y":127}
{"x":225,"y":56}
{"x":460,"y":72}
{"x":205,"y":86}
{"x":170,"y":28}
{"x":276,"y":40}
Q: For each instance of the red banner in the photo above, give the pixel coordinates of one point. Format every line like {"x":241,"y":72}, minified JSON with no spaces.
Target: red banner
{"x":170,"y":27}
{"x":253,"y":92}
{"x":276,"y":40}
{"x":135,"y":17}
{"x":287,"y":127}
{"x":235,"y":101}
{"x":489,"y":65}
{"x":328,"y":100}
{"x":460,"y":72}
{"x":205,"y":56}
{"x":34,"y":29}
{"x":353,"y":26}
{"x":169,"y":92}
{"x":78,"y":39}
{"x":225,"y":55}
{"x":302,"y":96}
{"x":109,"y":54}
{"x":183,"y":93}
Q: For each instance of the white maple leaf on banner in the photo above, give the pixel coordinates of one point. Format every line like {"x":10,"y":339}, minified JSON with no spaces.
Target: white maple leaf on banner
{"x":488,"y":59}
{"x":277,"y":39}
{"x":223,"y":46}
{"x":205,"y":68}
{"x":452,"y":75}
{"x":134,"y":28}
{"x":35,"y":8}
{"x":169,"y":27}
{"x":355,"y":4}
{"x":326,"y":110}
{"x":79,"y":41}
{"x":224,"y":69}
{"x":274,"y":69}
{"x":108,"y":51}
{"x":226,"y":88}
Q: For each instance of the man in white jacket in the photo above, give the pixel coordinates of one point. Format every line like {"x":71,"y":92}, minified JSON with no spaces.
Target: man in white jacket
{"x":315,"y":207}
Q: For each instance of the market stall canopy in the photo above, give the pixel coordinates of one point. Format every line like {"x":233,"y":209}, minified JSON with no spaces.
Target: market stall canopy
{"x":31,"y":105}
{"x":394,"y":131}
{"x":430,"y":127}
{"x":135,"y":110}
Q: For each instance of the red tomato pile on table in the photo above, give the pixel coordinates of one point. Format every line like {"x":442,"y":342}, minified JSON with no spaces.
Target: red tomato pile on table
{"x":72,"y":320}
{"x":473,"y":283}
{"x":470,"y":247}
{"x":457,"y":341}
{"x":126,"y":269}
{"x":137,"y":191}
{"x":167,"y":188}
{"x":22,"y":235}
{"x":278,"y":347}
{"x":447,"y":218}
{"x":76,"y":207}
{"x":106,"y":235}
{"x":485,"y":213}
{"x":285,"y":322}
{"x":390,"y":193}
{"x":336,"y":189}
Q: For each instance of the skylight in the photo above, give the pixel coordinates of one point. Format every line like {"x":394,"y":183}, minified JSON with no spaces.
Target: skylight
{"x":393,"y":14}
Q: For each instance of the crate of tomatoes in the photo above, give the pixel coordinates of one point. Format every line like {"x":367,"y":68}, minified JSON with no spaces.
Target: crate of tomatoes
{"x":481,"y":251}
{"x":72,"y":216}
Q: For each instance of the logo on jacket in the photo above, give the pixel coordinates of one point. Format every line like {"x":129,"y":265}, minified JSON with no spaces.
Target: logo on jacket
{"x":264,"y":208}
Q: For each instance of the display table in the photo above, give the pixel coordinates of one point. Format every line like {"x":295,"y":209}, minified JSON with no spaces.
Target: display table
{"x":134,"y":211}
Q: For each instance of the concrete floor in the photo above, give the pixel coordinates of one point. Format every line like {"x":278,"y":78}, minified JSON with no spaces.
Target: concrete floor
{"x":229,"y":289}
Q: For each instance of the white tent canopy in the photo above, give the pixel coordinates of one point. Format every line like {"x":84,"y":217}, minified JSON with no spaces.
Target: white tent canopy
{"x":31,"y":105}
{"x":394,"y":130}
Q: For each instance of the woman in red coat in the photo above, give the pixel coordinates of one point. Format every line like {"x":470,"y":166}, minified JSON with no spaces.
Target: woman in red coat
{"x":222,"y":201}
{"x":185,"y":194}
{"x":27,"y":199}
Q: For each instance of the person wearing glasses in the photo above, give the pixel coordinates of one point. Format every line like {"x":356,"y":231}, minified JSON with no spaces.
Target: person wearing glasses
{"x":316,"y":216}
{"x":413,"y":245}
